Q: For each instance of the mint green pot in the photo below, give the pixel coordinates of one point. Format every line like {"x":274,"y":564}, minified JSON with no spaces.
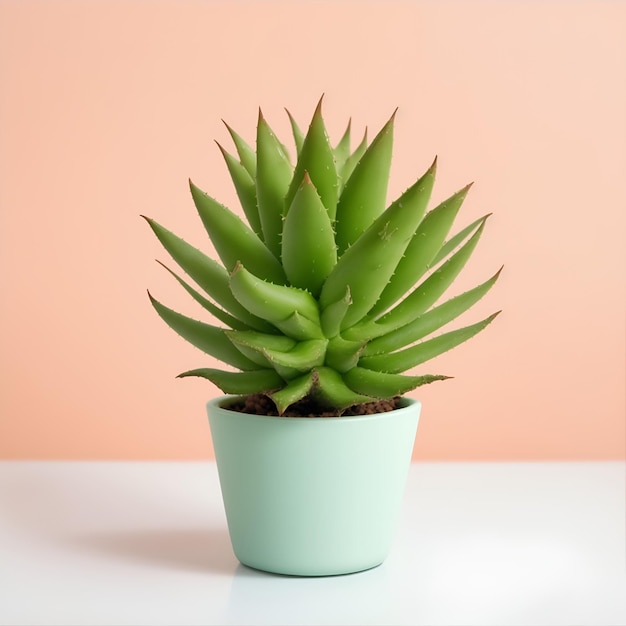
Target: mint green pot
{"x":312,"y":496}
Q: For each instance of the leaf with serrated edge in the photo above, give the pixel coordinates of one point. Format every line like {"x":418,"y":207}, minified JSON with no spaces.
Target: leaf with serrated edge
{"x":246,"y":190}
{"x":363,"y":197}
{"x":318,"y":160}
{"x":233,"y":240}
{"x":271,"y":302}
{"x":342,"y":149}
{"x":247,"y":156}
{"x":261,"y":341}
{"x":431,"y":289}
{"x":457,"y":240}
{"x":308,"y":245}
{"x":404,"y":360}
{"x":253,"y":344}
{"x":420,"y":252}
{"x":206,"y":337}
{"x":220,"y":314}
{"x":273,"y":176}
{"x":429,"y":322}
{"x":370,"y":262}
{"x":207,"y":273}
{"x":350,"y":163}
{"x":303,"y":357}
{"x":255,"y":381}
{"x":256,"y":356}
{"x":298,"y":135}
{"x":383,"y":385}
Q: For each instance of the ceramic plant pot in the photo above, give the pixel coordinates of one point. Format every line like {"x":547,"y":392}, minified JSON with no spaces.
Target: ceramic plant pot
{"x":312,"y":496}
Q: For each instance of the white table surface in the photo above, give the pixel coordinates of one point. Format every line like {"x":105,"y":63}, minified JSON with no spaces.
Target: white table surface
{"x":478,"y":543}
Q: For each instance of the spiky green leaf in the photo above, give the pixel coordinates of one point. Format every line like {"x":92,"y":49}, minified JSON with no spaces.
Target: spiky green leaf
{"x":234,"y":242}
{"x":384,"y":385}
{"x":367,"y":266}
{"x":457,"y":240}
{"x":334,"y":314}
{"x":364,"y":195}
{"x":342,"y":149}
{"x":404,"y":360}
{"x":254,"y":381}
{"x":433,"y":287}
{"x":318,"y":161}
{"x":220,"y":314}
{"x":304,"y":356}
{"x":420,"y":252}
{"x":246,"y":190}
{"x":273,"y":176}
{"x":298,"y":135}
{"x":207,"y":273}
{"x":308,"y":246}
{"x":330,"y":390}
{"x":247,"y":156}
{"x":342,"y":355}
{"x":252,"y":344}
{"x":299,"y":327}
{"x":292,"y":392}
{"x":206,"y":337}
{"x":261,"y":341}
{"x":271,"y":302}
{"x":429,"y":322}
{"x":345,"y":171}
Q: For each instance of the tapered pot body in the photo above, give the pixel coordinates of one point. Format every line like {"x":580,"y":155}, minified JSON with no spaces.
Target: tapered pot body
{"x":312,"y":496}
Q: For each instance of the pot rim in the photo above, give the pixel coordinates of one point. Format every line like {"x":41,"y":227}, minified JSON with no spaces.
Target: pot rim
{"x":217,"y":404}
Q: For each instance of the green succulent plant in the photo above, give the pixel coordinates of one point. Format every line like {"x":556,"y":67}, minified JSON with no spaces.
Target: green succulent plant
{"x":326,"y":294}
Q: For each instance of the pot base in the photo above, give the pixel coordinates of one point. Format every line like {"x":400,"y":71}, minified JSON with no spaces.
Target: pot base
{"x":307,"y":574}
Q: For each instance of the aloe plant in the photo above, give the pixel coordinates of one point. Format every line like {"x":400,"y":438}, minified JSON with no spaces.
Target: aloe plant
{"x":326,"y":293}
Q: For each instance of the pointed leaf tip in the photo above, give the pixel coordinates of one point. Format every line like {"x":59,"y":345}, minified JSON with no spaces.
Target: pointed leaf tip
{"x":433,"y":167}
{"x":390,"y":122}
{"x":318,"y":108}
{"x":465,"y":190}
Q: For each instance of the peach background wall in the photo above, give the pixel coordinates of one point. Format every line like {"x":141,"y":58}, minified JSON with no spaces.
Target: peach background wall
{"x":107,"y":107}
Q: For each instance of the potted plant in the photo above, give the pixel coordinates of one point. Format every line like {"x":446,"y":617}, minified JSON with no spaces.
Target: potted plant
{"x":325,"y":298}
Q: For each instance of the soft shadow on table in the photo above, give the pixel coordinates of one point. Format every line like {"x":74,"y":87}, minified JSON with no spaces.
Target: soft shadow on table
{"x":194,"y":549}
{"x":261,"y":598}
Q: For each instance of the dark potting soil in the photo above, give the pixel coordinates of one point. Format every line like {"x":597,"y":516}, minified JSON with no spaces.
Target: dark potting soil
{"x":258,"y":404}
